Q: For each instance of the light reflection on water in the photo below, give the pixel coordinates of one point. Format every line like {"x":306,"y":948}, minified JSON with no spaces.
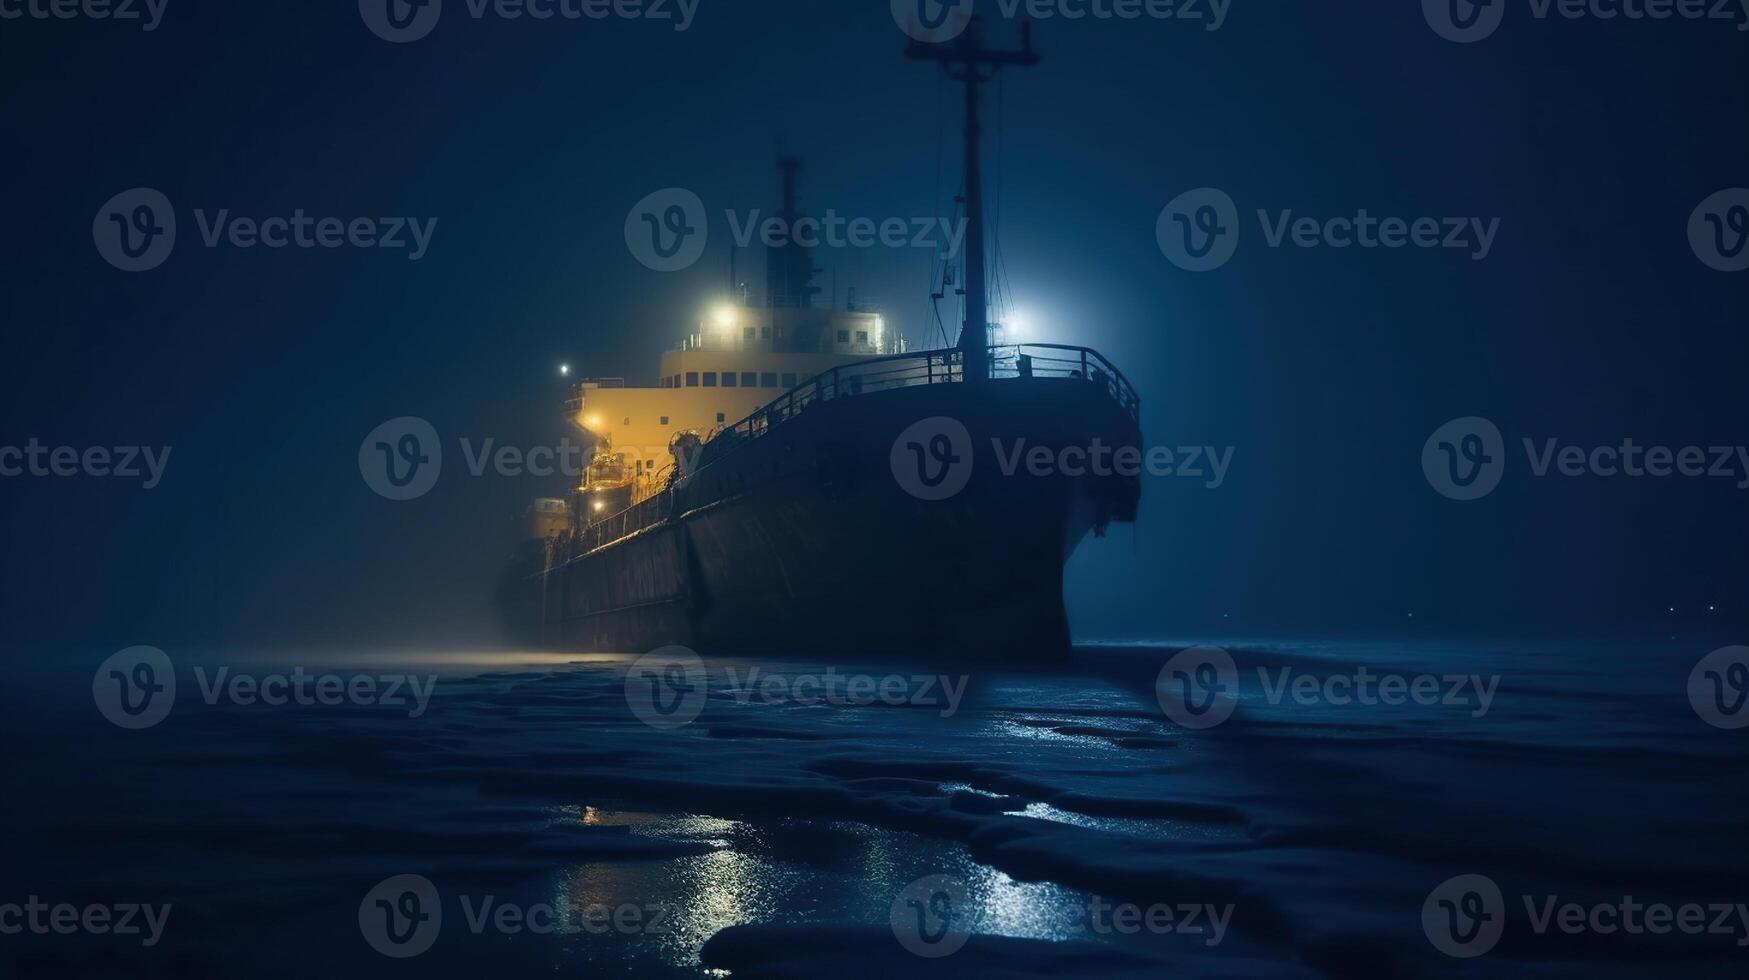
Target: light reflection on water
{"x":1156,"y":828}
{"x":759,"y":877}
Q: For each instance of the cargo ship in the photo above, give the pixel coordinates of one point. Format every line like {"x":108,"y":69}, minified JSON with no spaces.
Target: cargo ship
{"x":798,"y":479}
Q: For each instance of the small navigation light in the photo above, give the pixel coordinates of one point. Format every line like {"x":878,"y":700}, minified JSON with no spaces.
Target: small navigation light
{"x":598,"y":505}
{"x":724,"y":316}
{"x":564,"y":370}
{"x":592,"y":422}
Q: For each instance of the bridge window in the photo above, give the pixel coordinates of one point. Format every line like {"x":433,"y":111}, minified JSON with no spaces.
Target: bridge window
{"x":728,"y":379}
{"x":749,"y":379}
{"x":692,"y":379}
{"x":664,"y":420}
{"x":862,"y":336}
{"x":844,"y":336}
{"x":747,"y":333}
{"x":720,"y":417}
{"x":764,"y":333}
{"x":789,"y":379}
{"x":710,"y":379}
{"x":768,"y":379}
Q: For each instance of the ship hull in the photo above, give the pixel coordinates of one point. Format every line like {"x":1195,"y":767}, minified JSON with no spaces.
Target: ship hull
{"x":812,"y":539}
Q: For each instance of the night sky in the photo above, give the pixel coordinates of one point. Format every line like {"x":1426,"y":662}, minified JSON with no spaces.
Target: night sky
{"x":1590,"y":320}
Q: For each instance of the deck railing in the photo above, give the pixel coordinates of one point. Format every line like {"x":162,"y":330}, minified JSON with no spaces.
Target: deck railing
{"x":863,"y":377}
{"x":926,"y":368}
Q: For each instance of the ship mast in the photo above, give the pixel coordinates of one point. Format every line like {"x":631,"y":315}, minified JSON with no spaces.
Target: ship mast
{"x":967,"y":60}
